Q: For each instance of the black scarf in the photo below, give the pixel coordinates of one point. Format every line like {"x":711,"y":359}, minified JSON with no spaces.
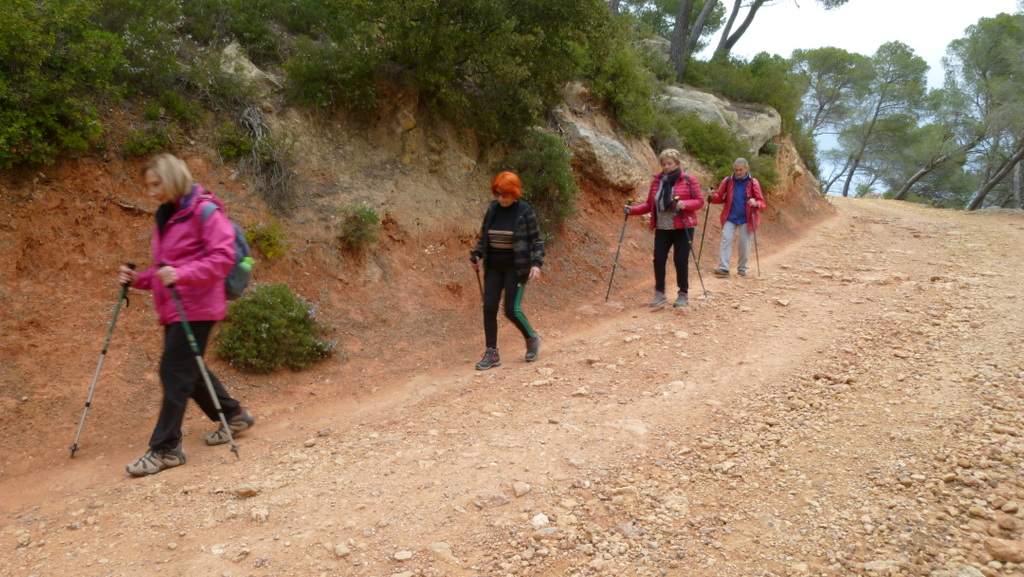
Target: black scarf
{"x":668,"y":182}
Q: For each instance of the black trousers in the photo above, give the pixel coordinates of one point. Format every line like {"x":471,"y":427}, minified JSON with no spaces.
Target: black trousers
{"x":679,"y":241}
{"x":500,"y":275}
{"x":181,"y":380}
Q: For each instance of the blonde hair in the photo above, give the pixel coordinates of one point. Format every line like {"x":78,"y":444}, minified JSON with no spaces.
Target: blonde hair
{"x":173,"y":173}
{"x":671,"y":153}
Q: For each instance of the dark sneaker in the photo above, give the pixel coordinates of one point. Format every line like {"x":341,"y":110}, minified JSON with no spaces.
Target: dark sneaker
{"x":532,"y":349}
{"x":490,"y":359}
{"x":742,"y":272}
{"x":721,"y":271}
{"x":659,"y":299}
{"x":156,"y":460}
{"x":681,"y":300}
{"x":240,"y":422}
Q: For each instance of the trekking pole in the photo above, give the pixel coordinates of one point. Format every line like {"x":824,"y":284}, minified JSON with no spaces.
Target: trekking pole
{"x":202,"y":366}
{"x":103,"y":355}
{"x":473,"y":259}
{"x":707,"y":211}
{"x":616,"y":263}
{"x":757,"y":256}
{"x":689,"y":242}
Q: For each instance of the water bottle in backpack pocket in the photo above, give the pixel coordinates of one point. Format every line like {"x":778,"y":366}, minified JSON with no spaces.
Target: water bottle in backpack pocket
{"x":241,"y":273}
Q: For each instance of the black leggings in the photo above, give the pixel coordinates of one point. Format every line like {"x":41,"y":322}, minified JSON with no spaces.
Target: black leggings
{"x":500,"y":275}
{"x":181,"y":380}
{"x":680,"y":238}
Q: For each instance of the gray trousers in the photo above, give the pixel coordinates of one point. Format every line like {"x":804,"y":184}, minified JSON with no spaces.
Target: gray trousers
{"x":725,"y":253}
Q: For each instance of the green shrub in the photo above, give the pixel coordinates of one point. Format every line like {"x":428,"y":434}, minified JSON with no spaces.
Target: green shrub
{"x":145,"y":143}
{"x":716,"y":147}
{"x":232,"y":144}
{"x":270,"y":329}
{"x":54,"y":62}
{"x":327,"y":74}
{"x":543,"y":166}
{"x":268,"y":238}
{"x":766,"y":79}
{"x":360,"y":227}
{"x":622,"y":78}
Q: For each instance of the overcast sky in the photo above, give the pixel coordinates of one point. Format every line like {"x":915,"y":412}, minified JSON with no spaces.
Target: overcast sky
{"x":861,"y":26}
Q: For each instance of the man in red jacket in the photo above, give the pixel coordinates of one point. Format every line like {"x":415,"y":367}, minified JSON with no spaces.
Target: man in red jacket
{"x":740,"y":195}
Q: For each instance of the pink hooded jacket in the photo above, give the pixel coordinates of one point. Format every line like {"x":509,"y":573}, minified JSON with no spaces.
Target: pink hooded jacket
{"x":689,"y":193}
{"x":202,"y":253}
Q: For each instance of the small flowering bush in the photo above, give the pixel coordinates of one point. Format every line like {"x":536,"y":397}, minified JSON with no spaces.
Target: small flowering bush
{"x":270,"y":329}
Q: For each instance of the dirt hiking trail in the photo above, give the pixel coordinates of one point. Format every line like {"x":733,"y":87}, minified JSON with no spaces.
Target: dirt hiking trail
{"x":858,"y":409}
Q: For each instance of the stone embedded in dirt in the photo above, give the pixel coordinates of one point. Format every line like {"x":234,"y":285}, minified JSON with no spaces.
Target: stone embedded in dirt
{"x":521,"y":488}
{"x":492,"y":500}
{"x":1004,"y":430}
{"x":246,"y":491}
{"x":259,"y":515}
{"x":540,"y":520}
{"x":310,"y":443}
{"x":1005,"y":550}
{"x":403,"y":555}
{"x":341,"y":551}
{"x":323,"y":432}
{"x":442,"y":552}
{"x":580,"y":392}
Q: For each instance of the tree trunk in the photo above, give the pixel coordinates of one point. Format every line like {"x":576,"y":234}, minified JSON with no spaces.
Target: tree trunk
{"x":698,"y":26}
{"x":996,"y":179}
{"x":728,"y":25}
{"x":725,"y":47}
{"x":849,"y":175}
{"x":902,"y":192}
{"x":677,"y":54}
{"x":1017,"y":184}
{"x":614,"y":7}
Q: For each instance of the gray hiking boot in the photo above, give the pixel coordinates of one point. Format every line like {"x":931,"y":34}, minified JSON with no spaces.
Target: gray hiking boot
{"x":156,"y":460}
{"x":681,"y":300}
{"x":721,"y":271}
{"x":240,"y":422}
{"x":742,"y":272}
{"x":491,"y":359}
{"x":659,"y":299}
{"x":532,"y":349}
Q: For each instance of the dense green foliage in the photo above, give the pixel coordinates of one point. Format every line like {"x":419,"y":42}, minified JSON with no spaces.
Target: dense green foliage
{"x":716,"y":146}
{"x":271,"y":328}
{"x":543,"y":165}
{"x":54,"y":67}
{"x":359,"y":228}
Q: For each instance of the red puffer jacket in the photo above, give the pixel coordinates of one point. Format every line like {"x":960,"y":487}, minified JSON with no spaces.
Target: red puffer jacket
{"x":687,"y":189}
{"x":724,"y":197}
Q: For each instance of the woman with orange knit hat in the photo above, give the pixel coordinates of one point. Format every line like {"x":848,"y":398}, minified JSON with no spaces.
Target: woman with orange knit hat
{"x":513,"y":253}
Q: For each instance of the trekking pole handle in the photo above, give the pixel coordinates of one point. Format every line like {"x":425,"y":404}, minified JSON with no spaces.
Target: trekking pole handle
{"x":130,"y":265}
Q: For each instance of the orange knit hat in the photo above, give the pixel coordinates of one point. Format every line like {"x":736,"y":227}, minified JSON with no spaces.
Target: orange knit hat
{"x":507,"y":183}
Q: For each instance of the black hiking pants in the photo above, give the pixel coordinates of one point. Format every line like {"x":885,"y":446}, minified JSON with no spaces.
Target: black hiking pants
{"x":500,"y":275}
{"x":678,"y":240}
{"x":181,"y":380}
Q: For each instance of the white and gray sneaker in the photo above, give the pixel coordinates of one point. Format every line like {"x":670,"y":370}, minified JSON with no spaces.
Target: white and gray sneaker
{"x":659,"y":299}
{"x":240,"y":422}
{"x":156,"y":460}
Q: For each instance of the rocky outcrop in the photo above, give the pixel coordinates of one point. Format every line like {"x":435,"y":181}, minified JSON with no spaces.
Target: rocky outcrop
{"x":757,"y":124}
{"x":603,"y":160}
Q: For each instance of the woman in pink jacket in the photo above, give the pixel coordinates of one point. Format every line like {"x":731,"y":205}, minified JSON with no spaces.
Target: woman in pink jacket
{"x":194,"y":255}
{"x":673,"y":200}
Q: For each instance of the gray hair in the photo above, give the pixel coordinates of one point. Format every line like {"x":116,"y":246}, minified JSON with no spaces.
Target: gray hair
{"x":742,"y":161}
